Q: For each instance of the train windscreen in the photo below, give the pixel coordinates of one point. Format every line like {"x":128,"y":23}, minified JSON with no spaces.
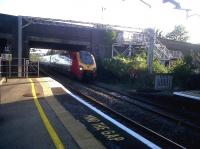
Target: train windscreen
{"x":86,"y":58}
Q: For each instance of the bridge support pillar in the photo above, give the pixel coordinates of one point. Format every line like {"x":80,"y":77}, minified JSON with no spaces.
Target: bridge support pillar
{"x":19,"y":46}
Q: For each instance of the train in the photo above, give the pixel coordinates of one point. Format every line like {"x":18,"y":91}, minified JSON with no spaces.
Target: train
{"x":77,"y":64}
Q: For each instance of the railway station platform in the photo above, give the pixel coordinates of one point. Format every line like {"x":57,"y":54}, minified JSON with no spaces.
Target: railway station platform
{"x":192,"y":94}
{"x":31,"y":117}
{"x":42,"y":113}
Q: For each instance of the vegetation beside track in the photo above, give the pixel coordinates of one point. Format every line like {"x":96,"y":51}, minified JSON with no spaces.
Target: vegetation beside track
{"x":132,"y":72}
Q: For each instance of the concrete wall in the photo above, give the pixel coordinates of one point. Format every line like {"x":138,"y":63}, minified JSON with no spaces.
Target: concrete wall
{"x":8,"y":33}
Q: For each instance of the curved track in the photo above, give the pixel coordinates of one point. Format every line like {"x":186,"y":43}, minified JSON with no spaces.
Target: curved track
{"x":147,"y":132}
{"x":149,"y":106}
{"x":143,"y":129}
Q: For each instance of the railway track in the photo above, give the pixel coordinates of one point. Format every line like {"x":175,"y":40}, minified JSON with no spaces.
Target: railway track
{"x":165,"y":142}
{"x":130,"y":122}
{"x":179,"y":122}
{"x":157,"y":109}
{"x":173,"y":107}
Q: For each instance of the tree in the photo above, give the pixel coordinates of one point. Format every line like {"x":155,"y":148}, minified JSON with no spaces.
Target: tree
{"x":159,"y":33}
{"x":179,"y":34}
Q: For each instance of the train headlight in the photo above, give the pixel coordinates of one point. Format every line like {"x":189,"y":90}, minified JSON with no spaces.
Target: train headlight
{"x":80,"y":68}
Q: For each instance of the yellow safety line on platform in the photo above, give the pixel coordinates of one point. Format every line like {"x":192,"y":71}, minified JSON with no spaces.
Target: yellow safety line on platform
{"x":55,"y":138}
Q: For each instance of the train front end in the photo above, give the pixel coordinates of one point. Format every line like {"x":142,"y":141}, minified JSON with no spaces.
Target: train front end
{"x":87,"y":65}
{"x":83,"y":65}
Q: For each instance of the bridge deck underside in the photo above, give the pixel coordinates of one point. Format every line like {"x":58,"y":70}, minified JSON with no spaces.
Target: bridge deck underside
{"x":56,"y":46}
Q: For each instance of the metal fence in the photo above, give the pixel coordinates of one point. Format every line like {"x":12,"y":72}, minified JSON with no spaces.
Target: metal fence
{"x":163,"y":82}
{"x":10,"y":68}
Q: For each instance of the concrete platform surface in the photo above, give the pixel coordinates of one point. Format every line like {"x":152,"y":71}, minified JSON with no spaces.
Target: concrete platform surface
{"x":31,"y":117}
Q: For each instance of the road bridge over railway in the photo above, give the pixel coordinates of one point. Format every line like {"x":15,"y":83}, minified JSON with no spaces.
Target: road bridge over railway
{"x":20,"y":33}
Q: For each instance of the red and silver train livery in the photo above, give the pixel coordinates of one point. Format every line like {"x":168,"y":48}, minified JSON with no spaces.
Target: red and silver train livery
{"x":79,"y":64}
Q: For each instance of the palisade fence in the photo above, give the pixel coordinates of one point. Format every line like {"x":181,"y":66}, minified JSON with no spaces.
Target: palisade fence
{"x":163,"y":82}
{"x":10,"y":68}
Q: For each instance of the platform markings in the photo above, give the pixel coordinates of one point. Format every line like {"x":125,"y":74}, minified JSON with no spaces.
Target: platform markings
{"x":105,"y":130}
{"x":55,"y":138}
{"x":118,"y":124}
{"x":186,"y":95}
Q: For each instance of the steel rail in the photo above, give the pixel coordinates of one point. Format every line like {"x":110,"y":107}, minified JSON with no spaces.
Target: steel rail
{"x":163,"y":114}
{"x":142,"y":128}
{"x":131,"y":122}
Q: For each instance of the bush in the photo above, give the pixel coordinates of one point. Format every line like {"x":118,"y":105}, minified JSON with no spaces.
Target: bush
{"x":118,"y":67}
{"x":134,"y":71}
{"x":158,"y":67}
{"x":131,"y":70}
{"x":184,"y":73}
{"x":104,"y":74}
{"x":122,"y":66}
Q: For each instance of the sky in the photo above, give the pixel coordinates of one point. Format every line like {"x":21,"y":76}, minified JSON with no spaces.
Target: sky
{"x":131,"y":13}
